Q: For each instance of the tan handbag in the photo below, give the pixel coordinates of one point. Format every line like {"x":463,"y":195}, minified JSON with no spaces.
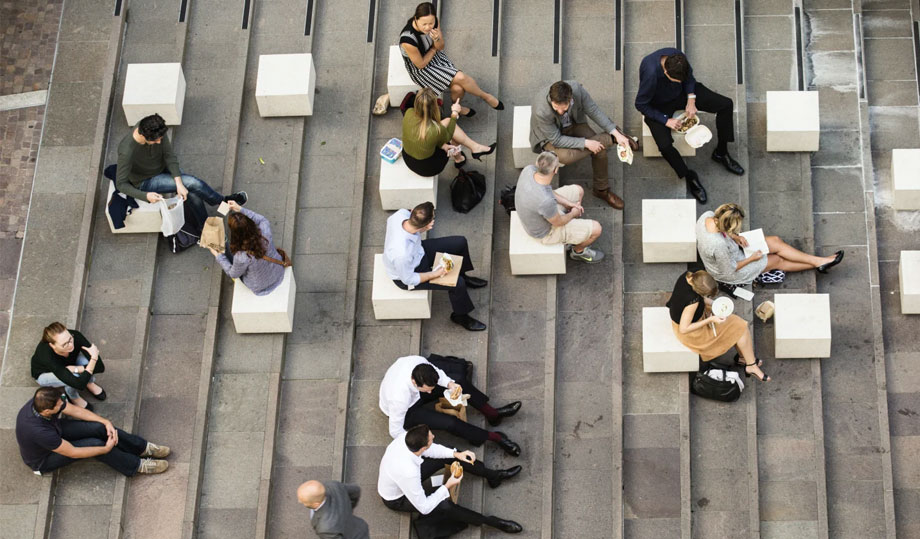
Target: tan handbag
{"x":285,"y":259}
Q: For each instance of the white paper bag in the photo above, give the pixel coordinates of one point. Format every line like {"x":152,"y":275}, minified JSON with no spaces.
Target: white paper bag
{"x":173,"y":215}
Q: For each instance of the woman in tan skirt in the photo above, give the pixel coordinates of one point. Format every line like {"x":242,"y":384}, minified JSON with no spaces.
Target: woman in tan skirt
{"x":712,"y":336}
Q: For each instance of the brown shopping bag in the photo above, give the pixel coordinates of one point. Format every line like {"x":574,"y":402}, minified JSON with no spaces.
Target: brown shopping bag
{"x":213,"y":234}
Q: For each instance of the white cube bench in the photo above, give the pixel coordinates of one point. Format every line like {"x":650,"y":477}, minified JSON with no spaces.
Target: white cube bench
{"x":143,"y":219}
{"x":650,"y":147}
{"x":661,"y":351}
{"x":909,"y":280}
{"x":392,"y":302}
{"x":398,"y":81}
{"x":272,"y":313}
{"x":793,"y":121}
{"x":529,"y":256}
{"x":668,"y":230}
{"x":285,"y":85}
{"x":905,"y":178}
{"x":401,"y":188}
{"x":154,"y":89}
{"x":521,"y":150}
{"x":802,"y":327}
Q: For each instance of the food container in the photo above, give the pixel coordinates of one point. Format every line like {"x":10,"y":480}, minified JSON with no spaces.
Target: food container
{"x":697,"y":136}
{"x":722,"y":307}
{"x":765,"y":310}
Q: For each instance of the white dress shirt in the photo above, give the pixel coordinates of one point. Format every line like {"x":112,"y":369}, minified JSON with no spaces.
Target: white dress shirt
{"x":398,"y":393}
{"x":401,"y":475}
{"x":402,"y":252}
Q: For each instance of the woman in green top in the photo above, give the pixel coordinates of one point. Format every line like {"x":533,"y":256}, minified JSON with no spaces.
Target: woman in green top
{"x":428,"y":141}
{"x":65,"y":358}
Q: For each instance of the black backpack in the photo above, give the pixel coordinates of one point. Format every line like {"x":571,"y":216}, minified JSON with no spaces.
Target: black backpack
{"x":704,"y":386}
{"x":466,"y":190}
{"x":190,"y":233}
{"x":506,"y":198}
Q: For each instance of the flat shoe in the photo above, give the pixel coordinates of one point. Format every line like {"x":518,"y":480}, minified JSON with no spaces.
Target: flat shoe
{"x":100,"y":397}
{"x":824,"y":267}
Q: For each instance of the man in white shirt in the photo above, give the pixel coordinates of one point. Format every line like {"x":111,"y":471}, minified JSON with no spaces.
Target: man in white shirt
{"x":413,"y":457}
{"x":413,"y":382}
{"x":408,"y":260}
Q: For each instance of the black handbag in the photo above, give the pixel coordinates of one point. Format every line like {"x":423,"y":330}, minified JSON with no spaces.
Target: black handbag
{"x":467,"y":190}
{"x":506,"y":198}
{"x":709,"y":388}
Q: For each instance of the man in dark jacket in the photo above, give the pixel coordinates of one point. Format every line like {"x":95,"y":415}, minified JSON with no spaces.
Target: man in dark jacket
{"x":331,"y":504}
{"x":666,"y":85}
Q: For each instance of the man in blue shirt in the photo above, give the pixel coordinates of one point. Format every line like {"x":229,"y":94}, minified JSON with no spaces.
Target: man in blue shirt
{"x":408,"y":260}
{"x":666,"y":85}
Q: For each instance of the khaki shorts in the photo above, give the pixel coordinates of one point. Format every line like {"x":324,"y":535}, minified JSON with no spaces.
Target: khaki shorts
{"x":575,"y":231}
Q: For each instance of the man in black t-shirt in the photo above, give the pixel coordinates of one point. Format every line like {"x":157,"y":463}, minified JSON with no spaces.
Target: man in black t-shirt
{"x":48,"y":442}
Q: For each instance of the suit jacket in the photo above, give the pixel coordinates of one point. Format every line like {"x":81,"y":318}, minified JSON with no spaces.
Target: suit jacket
{"x":546,"y":125}
{"x":334,"y":520}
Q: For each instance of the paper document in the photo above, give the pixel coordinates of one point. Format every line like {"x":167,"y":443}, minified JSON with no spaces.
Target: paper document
{"x":756,"y":242}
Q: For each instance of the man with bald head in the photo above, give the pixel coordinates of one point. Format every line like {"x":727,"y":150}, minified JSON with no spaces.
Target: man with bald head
{"x":331,"y":504}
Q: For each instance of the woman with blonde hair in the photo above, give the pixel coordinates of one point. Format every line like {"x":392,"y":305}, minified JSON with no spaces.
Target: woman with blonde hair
{"x":702,"y":332}
{"x":428,"y":141}
{"x":720,"y":248}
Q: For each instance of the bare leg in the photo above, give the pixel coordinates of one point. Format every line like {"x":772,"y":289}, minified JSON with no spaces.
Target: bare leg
{"x":778,"y":247}
{"x":468,"y":85}
{"x":745,"y":346}
{"x":460,"y":137}
{"x":94,"y":388}
{"x":778,"y":262}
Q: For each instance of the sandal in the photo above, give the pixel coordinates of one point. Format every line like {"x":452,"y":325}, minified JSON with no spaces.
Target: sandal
{"x":766,"y":377}
{"x":740,"y":362}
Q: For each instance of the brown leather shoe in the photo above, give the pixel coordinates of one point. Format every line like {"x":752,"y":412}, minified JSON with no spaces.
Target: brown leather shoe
{"x":610,"y":198}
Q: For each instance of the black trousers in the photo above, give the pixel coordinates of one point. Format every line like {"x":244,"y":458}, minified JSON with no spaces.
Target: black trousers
{"x":460,"y":301}
{"x":706,"y":101}
{"x":124,"y":457}
{"x":421,"y":413}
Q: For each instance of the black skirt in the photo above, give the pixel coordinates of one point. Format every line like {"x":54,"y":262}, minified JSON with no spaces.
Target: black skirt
{"x":431,"y":166}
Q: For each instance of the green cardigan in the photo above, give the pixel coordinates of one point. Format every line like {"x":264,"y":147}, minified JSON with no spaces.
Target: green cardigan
{"x":434,"y":139}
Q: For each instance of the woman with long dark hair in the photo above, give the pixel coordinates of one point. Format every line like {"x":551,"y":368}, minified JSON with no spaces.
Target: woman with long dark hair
{"x":251,"y":255}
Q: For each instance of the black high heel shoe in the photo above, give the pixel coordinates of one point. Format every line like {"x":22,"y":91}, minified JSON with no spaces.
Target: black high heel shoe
{"x":477,"y":155}
{"x":838,"y":257}
{"x":766,"y":377}
{"x":740,"y":362}
{"x":500,"y":106}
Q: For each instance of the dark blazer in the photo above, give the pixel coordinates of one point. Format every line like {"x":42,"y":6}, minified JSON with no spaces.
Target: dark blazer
{"x":334,"y":520}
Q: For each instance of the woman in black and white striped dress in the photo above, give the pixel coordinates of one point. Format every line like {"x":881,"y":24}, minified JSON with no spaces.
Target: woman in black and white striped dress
{"x":422,"y":45}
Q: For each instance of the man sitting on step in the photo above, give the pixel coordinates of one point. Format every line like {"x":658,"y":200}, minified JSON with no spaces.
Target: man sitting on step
{"x":48,"y":442}
{"x":413,"y":457}
{"x":666,"y":85}
{"x":413,"y":383}
{"x":408,"y":260}
{"x":552,"y":215}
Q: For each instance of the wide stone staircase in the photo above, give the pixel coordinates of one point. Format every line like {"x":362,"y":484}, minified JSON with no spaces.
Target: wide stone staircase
{"x":827,"y":450}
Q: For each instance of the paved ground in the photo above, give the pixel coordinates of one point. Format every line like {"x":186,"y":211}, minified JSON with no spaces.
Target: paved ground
{"x":828,"y":450}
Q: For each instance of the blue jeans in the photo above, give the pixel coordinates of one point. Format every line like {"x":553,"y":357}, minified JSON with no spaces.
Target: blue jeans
{"x":165,"y":183}
{"x":47,"y":379}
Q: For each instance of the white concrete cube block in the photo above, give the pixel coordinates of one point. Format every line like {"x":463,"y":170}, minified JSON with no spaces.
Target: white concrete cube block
{"x":272,"y":313}
{"x":154,"y":89}
{"x":529,"y":256}
{"x":398,"y":81}
{"x":392,"y":302}
{"x":909,"y":279}
{"x":401,"y":188}
{"x":650,"y":147}
{"x":145,"y":218}
{"x":802,"y":327}
{"x":668,"y":230}
{"x":793,"y":122}
{"x":661,"y":351}
{"x":905,"y":179}
{"x":285,"y":85}
{"x":521,"y":150}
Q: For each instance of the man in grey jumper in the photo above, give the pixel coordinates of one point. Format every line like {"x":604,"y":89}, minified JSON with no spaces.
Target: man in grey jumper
{"x":559,"y":123}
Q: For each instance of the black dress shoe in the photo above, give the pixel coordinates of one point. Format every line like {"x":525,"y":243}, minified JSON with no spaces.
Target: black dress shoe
{"x":508,"y":446}
{"x":504,"y":474}
{"x":100,"y":397}
{"x":696,"y":188}
{"x":824,"y":267}
{"x":507,"y":410}
{"x":500,"y":106}
{"x":726,"y":161}
{"x":507,"y":526}
{"x":474,"y":282}
{"x":468,"y":322}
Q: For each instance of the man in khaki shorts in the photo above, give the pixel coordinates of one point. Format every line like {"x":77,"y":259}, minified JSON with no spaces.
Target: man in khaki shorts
{"x":552,"y":216}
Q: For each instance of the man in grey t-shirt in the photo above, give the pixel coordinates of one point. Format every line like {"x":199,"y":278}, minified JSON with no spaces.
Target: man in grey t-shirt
{"x":551,"y":216}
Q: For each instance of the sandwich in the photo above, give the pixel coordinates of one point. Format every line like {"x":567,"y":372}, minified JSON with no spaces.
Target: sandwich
{"x":456,"y":470}
{"x":457,"y":391}
{"x":447,"y":262}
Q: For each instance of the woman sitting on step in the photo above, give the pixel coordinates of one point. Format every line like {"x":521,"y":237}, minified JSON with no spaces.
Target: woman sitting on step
{"x":65,"y":358}
{"x":422,"y":46}
{"x":720,"y":249}
{"x":251,"y":254}
{"x":428,"y":141}
{"x":702,"y":332}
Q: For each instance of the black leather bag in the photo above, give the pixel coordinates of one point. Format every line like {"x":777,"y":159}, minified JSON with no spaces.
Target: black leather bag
{"x":467,"y":190}
{"x":506,"y":198}
{"x":719,"y":390}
